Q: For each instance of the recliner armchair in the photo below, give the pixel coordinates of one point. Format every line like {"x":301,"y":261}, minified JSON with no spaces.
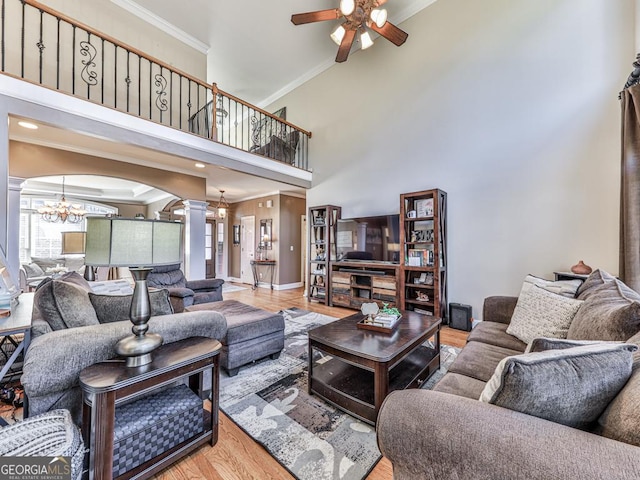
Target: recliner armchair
{"x":182,"y":292}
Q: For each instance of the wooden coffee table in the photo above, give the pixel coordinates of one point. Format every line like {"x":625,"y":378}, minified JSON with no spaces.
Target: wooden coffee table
{"x":356,"y":369}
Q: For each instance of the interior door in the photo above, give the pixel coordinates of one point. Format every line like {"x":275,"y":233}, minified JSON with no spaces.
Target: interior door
{"x":210,"y":249}
{"x":247,"y":247}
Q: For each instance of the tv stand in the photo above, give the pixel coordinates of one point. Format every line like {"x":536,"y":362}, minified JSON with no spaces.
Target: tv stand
{"x":358,"y":282}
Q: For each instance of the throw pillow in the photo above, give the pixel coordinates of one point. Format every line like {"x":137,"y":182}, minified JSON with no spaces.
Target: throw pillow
{"x":64,"y":305}
{"x":33,"y":270}
{"x":571,"y":386}
{"x":543,"y":343}
{"x":611,"y":311}
{"x":115,"y":308}
{"x":566,"y":288}
{"x":540,"y":313}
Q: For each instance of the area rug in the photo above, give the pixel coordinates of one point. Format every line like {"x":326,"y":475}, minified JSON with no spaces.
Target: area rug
{"x":229,"y":287}
{"x":309,"y":437}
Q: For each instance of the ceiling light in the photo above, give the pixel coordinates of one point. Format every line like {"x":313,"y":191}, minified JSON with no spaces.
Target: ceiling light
{"x":221,"y":207}
{"x":62,"y":211}
{"x":29,"y":125}
{"x":199,"y":165}
{"x":365,"y":40}
{"x":347,"y":7}
{"x":379,"y":17}
{"x":338,"y":34}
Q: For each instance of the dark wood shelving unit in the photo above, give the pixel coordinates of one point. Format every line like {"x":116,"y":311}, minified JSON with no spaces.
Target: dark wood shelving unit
{"x":322,"y":222}
{"x":423,"y":245}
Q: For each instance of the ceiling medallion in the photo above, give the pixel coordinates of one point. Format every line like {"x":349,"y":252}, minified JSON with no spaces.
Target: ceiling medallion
{"x":358,"y":16}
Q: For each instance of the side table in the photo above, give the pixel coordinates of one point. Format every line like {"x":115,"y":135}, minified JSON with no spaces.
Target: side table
{"x":271,"y":264}
{"x":108,"y":384}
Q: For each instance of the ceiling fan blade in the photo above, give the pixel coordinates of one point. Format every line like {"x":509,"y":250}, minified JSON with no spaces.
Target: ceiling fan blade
{"x":319,"y":16}
{"x":345,"y":46}
{"x":391,"y":33}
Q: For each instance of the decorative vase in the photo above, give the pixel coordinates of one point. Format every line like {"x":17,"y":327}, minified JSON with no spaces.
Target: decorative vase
{"x":581,"y":269}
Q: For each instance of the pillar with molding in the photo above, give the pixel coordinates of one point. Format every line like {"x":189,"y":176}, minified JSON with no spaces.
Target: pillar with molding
{"x":195,"y":216}
{"x":13,"y":232}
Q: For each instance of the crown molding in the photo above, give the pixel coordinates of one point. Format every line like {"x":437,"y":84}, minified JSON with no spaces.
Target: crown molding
{"x":163,"y":25}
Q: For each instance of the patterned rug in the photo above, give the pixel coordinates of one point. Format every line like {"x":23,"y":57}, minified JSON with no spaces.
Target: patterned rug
{"x":229,"y":287}
{"x":309,"y":437}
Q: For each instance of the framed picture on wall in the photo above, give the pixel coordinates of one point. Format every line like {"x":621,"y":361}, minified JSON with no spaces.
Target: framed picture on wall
{"x":236,"y":234}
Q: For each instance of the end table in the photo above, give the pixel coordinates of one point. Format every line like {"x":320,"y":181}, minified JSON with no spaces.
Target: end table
{"x":108,"y":384}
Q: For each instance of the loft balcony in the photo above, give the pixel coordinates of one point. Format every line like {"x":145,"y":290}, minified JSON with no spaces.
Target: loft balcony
{"x":50,"y":49}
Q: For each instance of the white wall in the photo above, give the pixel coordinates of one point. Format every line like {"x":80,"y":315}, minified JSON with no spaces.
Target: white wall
{"x":510,"y":106}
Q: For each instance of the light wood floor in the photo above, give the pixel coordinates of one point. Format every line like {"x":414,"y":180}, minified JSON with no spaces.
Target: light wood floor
{"x":236,"y":456}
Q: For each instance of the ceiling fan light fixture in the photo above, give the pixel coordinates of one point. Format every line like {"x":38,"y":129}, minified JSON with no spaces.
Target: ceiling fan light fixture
{"x":365,"y":40}
{"x":347,"y":7}
{"x":379,"y":17}
{"x":338,"y":34}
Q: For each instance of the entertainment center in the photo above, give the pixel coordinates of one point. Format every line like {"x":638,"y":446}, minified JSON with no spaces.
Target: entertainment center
{"x":398,"y":259}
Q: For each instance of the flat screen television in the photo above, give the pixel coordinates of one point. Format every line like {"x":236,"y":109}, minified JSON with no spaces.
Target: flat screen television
{"x":371,"y":239}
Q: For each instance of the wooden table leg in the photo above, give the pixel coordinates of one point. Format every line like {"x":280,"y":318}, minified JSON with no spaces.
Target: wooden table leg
{"x":380,"y":384}
{"x":101,"y":438}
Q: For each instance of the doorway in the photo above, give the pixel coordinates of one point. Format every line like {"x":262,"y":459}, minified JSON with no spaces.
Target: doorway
{"x":210,"y":249}
{"x":247,"y":247}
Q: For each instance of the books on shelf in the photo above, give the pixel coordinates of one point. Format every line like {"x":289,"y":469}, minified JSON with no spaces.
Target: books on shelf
{"x":420,"y":258}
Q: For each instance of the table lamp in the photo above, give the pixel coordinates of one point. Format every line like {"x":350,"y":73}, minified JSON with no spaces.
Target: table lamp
{"x":139,"y":245}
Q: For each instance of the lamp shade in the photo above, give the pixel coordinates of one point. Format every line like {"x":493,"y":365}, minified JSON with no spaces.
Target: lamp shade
{"x":73,"y":243}
{"x":123,"y":242}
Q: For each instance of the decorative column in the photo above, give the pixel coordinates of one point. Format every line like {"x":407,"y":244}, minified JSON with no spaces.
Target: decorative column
{"x":13,"y":222}
{"x":195,"y":215}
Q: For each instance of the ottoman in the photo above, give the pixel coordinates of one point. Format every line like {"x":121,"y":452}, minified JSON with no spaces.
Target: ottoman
{"x":252,"y":333}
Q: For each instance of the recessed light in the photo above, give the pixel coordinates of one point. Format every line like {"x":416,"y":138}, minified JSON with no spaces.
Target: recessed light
{"x":200,"y":165}
{"x":29,"y":125}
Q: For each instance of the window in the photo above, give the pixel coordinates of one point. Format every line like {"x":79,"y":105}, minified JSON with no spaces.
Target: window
{"x":39,"y":238}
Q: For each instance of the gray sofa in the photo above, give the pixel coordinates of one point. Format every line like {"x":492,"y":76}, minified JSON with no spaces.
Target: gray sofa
{"x":73,"y":328}
{"x":447,"y":433}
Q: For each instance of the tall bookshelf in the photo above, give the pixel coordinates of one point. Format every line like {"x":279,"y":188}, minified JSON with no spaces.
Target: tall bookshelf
{"x":423,"y":263}
{"x":323,"y":224}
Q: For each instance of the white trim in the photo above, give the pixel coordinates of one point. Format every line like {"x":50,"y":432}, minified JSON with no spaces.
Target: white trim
{"x":163,"y":25}
{"x":286,"y":286}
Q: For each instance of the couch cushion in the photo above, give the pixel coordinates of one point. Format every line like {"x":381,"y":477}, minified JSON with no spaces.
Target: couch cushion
{"x":611,"y":310}
{"x":115,"y":308}
{"x":479,"y":360}
{"x":244,"y":322}
{"x":63,"y":304}
{"x":112,"y":287}
{"x":540,"y":313}
{"x":566,"y":288}
{"x":460,"y":385}
{"x":572,"y":386}
{"x":621,"y":420}
{"x":495,"y":333}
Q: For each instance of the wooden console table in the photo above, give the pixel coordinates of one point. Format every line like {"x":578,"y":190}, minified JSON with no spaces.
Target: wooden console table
{"x":108,"y":384}
{"x":271,"y":264}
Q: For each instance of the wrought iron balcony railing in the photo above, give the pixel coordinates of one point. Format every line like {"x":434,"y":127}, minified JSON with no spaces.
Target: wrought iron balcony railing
{"x":41,"y":45}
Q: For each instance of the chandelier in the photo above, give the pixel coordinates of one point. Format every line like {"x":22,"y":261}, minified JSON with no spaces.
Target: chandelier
{"x":220,"y":210}
{"x":62,"y":211}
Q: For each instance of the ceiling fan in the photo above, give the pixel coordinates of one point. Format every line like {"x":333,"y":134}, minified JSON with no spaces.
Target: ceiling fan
{"x":359,"y":16}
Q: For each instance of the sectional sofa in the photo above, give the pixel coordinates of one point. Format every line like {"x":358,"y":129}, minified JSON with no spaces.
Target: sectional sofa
{"x":569,"y":408}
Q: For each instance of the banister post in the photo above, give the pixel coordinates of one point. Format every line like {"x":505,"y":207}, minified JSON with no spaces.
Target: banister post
{"x":214,"y":112}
